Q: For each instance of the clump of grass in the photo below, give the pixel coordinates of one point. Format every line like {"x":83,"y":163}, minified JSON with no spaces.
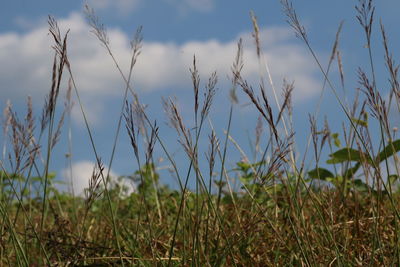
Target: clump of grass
{"x":342,"y":212}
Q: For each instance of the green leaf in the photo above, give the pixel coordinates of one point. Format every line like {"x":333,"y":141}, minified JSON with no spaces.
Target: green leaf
{"x":346,"y":154}
{"x":352,"y":171}
{"x":360,"y":122}
{"x":243,"y":166}
{"x":335,"y":180}
{"x":320,"y":173}
{"x":393,"y":178}
{"x":388,"y":151}
{"x":36,"y":179}
{"x":365,"y":116}
{"x":360,"y":186}
{"x":336,"y":140}
{"x":247,"y":179}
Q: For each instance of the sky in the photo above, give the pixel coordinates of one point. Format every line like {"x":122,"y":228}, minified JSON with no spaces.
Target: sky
{"x":173,"y":32}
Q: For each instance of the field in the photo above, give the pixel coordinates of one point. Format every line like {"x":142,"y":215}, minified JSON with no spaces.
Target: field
{"x":341,"y":211}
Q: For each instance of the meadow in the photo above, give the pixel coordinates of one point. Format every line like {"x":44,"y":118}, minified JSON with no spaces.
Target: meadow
{"x":341,"y":211}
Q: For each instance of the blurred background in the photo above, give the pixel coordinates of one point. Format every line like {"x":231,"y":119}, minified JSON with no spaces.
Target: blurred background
{"x":173,"y":32}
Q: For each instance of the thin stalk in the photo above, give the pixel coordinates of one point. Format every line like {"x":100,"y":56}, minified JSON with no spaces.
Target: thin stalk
{"x":113,"y":217}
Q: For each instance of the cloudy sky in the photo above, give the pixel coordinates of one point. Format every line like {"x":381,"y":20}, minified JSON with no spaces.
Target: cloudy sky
{"x":174,"y":31}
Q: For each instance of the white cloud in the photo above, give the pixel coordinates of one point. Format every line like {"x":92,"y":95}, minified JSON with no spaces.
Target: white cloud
{"x":27,"y":60}
{"x":123,"y":7}
{"x":93,"y":107}
{"x":81,"y":174}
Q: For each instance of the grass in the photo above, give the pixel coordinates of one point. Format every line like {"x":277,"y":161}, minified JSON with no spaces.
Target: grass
{"x":342,"y":212}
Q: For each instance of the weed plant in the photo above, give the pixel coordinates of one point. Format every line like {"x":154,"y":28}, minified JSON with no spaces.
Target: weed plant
{"x":344,"y":212}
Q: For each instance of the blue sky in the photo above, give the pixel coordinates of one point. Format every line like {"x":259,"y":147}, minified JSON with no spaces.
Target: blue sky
{"x":175,"y":30}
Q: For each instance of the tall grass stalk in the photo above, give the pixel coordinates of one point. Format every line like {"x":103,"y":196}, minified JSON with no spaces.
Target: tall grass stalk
{"x":274,"y":207}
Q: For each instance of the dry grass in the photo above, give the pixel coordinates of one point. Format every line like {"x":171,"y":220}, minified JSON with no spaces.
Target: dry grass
{"x":284,"y":214}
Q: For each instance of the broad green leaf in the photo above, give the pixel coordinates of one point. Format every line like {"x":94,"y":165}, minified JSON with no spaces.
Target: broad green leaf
{"x":346,"y":154}
{"x":360,"y":186}
{"x":335,"y":180}
{"x":352,"y":171}
{"x":392,"y":179}
{"x":388,"y":151}
{"x":320,"y":173}
{"x":273,"y":188}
